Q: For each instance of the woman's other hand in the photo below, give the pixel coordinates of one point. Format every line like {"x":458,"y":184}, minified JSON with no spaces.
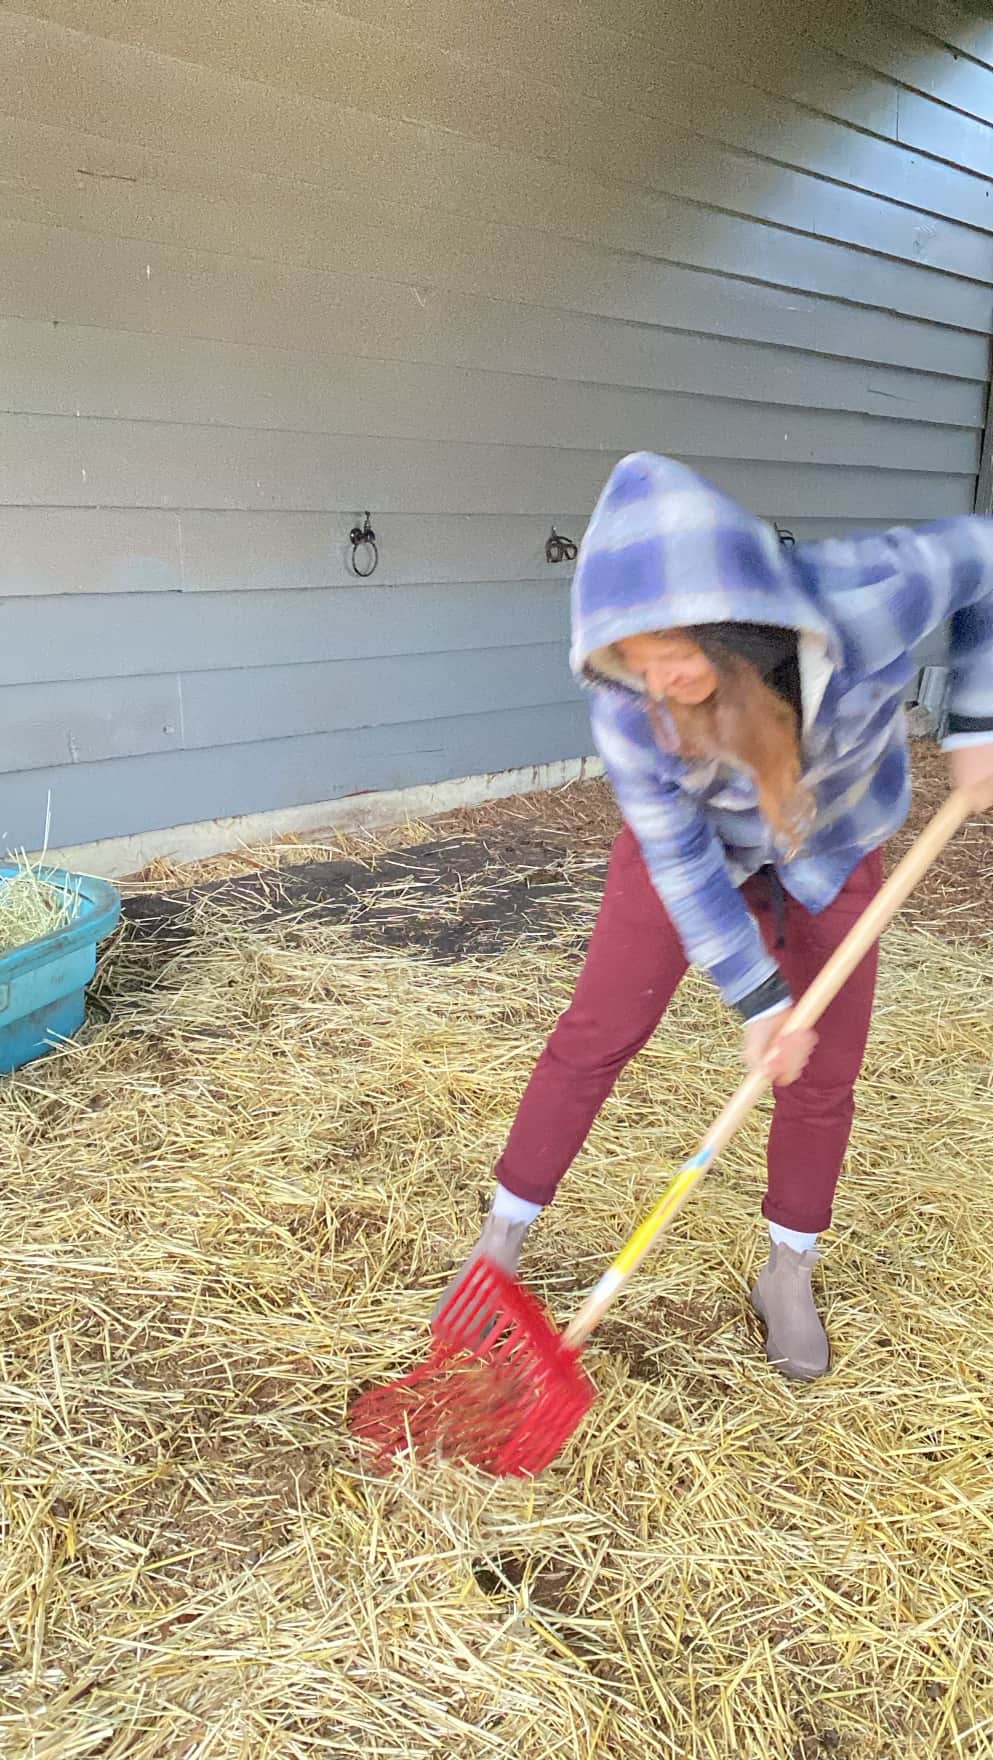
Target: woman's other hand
{"x":772,"y":1048}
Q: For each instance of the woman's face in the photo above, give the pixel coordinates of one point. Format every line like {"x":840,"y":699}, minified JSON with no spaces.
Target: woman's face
{"x":671,"y":666}
{"x":731,"y":715}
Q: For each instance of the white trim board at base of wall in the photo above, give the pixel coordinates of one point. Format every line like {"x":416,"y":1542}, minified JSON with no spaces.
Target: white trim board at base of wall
{"x":113,"y":857}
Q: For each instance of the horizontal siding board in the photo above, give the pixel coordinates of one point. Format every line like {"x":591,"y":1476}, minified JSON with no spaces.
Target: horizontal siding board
{"x":961,"y":27}
{"x":714,"y":175}
{"x":48,"y":460}
{"x":44,"y":641}
{"x":123,"y":796}
{"x":68,"y":550}
{"x":97,"y":375}
{"x":860,"y":32}
{"x":961,"y":140}
{"x":86,"y":720}
{"x":315,"y":49}
{"x":762,"y":45}
{"x":905,"y":54}
{"x":864,"y":163}
{"x":283,"y":223}
{"x":55,"y":551}
{"x":276,"y":552}
{"x":383,"y":168}
{"x":77,"y":278}
{"x":762,"y":48}
{"x":65,"y":75}
{"x":72,"y":369}
{"x":97,"y":719}
{"x":766,"y":48}
{"x":611,"y":63}
{"x":224,"y":708}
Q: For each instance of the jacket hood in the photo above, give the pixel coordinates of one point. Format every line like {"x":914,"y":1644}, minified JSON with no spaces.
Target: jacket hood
{"x":665,"y":549}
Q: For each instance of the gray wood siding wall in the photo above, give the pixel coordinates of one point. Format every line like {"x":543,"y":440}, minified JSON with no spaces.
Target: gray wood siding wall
{"x":267,"y":263}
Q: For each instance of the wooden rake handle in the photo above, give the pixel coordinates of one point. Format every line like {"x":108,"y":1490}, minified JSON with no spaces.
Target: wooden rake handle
{"x":860,"y":938}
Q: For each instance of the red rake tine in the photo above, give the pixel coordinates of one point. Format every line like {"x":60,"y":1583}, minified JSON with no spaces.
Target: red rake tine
{"x":499,"y":1388}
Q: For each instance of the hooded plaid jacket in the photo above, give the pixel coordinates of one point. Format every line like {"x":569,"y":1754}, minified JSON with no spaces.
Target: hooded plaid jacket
{"x":666,"y":549}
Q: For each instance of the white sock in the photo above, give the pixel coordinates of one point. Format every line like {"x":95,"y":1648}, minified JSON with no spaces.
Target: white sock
{"x":792,"y":1237}
{"x":510,"y":1208}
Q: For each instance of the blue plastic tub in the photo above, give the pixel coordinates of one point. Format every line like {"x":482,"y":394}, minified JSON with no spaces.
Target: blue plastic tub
{"x":43,"y":984}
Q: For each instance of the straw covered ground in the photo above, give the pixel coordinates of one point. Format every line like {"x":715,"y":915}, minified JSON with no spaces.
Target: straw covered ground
{"x":230,"y":1205}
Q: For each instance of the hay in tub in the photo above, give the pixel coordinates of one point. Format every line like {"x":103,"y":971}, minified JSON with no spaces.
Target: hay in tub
{"x":32,"y":906}
{"x":232,"y":1206}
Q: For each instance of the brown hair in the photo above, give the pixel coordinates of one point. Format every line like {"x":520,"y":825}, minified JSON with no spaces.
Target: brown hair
{"x":748,"y":723}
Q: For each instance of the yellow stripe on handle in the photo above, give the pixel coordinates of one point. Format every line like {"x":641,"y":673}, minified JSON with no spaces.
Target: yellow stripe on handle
{"x":860,"y":938}
{"x":659,"y":1217}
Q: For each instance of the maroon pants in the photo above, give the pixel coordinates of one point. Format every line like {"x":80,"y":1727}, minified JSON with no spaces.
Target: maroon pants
{"x":633,"y":967}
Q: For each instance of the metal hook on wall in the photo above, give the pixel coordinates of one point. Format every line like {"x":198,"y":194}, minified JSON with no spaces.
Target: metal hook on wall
{"x":784,"y":535}
{"x":560,"y":549}
{"x":363,"y":538}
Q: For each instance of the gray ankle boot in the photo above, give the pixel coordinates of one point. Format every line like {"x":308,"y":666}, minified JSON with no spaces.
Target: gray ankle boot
{"x":795,"y":1340}
{"x":501,"y":1241}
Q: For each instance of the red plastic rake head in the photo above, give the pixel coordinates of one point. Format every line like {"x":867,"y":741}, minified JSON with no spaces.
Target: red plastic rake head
{"x":499,"y":1388}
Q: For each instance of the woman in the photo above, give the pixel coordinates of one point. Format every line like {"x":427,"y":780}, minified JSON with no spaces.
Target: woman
{"x":747,"y":704}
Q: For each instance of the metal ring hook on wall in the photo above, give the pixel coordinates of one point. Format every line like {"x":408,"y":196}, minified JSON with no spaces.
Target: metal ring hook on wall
{"x":364,"y":538}
{"x":560,"y":549}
